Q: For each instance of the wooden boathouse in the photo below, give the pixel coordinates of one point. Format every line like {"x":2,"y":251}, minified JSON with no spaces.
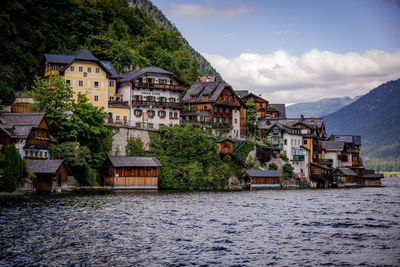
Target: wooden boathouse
{"x":261,"y":179}
{"x":345,"y":177}
{"x":51,"y":175}
{"x":370,"y":178}
{"x":135,"y":173}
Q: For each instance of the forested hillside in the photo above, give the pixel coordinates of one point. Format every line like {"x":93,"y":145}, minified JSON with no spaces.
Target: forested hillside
{"x":376,"y":117}
{"x":110,"y":29}
{"x":148,"y":8}
{"x":317,"y":109}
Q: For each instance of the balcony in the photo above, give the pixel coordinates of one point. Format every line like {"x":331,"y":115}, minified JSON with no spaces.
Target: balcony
{"x":191,"y":113}
{"x":118,"y":104}
{"x":196,"y":122}
{"x":156,"y":104}
{"x":298,"y":157}
{"x":229,"y":103}
{"x":158,"y":86}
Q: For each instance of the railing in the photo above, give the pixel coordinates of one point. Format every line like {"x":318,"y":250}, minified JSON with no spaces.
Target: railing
{"x":203,"y":123}
{"x":118,"y":104}
{"x":158,"y":86}
{"x":327,"y":162}
{"x":204,"y":112}
{"x":157,"y":104}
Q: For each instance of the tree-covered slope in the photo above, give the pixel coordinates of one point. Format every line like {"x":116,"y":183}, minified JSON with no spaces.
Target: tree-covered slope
{"x":318,"y":108}
{"x":376,"y":117}
{"x":110,"y":29}
{"x":147,"y":7}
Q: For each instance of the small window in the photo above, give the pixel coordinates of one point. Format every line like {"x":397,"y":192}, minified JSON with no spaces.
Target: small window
{"x":112,"y":83}
{"x":80,"y":83}
{"x":125,"y":118}
{"x":80,"y":69}
{"x":68,"y":81}
{"x":96,"y":98}
{"x":72,"y":68}
{"x":96,"y":84}
{"x":97,"y":70}
{"x":235,"y":120}
{"x":285,"y":141}
{"x":305,"y":142}
{"x":117,"y":118}
{"x":111,"y":98}
{"x":89,"y":69}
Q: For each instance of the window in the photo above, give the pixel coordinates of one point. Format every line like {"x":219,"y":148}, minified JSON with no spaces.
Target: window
{"x":111,"y":98}
{"x":72,"y":68}
{"x":96,"y":84}
{"x":68,"y":81}
{"x":305,"y":142}
{"x":97,"y":70}
{"x":162,"y":81}
{"x":291,"y":142}
{"x":89,"y":69}
{"x":285,"y":141}
{"x":80,"y":83}
{"x":151,"y":113}
{"x":112,"y":83}
{"x":80,"y":69}
{"x":138,"y":112}
{"x":175,"y":115}
{"x":317,"y":171}
{"x":162,"y":114}
{"x":117,"y":117}
{"x":235,"y":120}
{"x":96,"y":98}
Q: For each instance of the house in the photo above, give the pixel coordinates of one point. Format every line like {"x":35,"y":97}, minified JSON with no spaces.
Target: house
{"x":225,"y":146}
{"x":370,"y":178}
{"x":289,"y":140}
{"x":29,"y":132}
{"x":95,"y":78}
{"x":132,"y":173}
{"x":209,"y":103}
{"x":345,"y":177}
{"x":350,"y":156}
{"x":258,"y":179}
{"x":154,"y":95}
{"x":51,"y":175}
{"x":261,"y":103}
{"x":332,"y":150}
{"x":320,"y":175}
{"x":275,"y":111}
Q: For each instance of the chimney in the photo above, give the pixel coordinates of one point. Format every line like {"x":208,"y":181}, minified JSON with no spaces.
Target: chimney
{"x":137,"y":68}
{"x":301,"y":117}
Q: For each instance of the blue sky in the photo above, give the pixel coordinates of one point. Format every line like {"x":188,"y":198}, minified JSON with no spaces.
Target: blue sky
{"x":294,"y":51}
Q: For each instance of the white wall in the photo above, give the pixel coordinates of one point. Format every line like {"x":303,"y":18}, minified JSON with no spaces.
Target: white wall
{"x":333,"y":155}
{"x":236,"y":126}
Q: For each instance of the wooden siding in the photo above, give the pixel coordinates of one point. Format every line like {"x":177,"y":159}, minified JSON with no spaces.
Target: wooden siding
{"x":51,"y":182}
{"x":21,"y":108}
{"x":132,"y":182}
{"x":225,"y":147}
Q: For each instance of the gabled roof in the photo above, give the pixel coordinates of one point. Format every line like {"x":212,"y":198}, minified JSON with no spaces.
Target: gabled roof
{"x":131,"y":75}
{"x":83,"y":55}
{"x":242,"y":93}
{"x":345,"y":171}
{"x":281,"y":108}
{"x":284,"y":128}
{"x":333,"y":145}
{"x":19,"y":125}
{"x":43,"y":166}
{"x":321,"y":166}
{"x":263,"y":173}
{"x":125,"y":161}
{"x":350,"y":139}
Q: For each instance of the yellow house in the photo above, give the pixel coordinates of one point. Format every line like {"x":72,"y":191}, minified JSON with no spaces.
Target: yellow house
{"x":93,"y":77}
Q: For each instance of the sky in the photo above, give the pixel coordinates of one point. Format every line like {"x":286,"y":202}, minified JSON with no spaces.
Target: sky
{"x":293,"y":51}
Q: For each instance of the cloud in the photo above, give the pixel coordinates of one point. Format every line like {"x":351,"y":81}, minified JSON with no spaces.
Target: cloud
{"x":282,"y":77}
{"x":395,"y":30}
{"x":198,"y":11}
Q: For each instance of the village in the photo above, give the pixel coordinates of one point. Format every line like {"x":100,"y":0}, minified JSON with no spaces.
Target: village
{"x":290,"y":152}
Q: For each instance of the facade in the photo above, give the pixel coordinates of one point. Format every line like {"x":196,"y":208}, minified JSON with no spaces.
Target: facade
{"x":51,"y":175}
{"x":88,"y":75}
{"x":332,"y":151}
{"x":289,"y":140}
{"x":154,"y":96}
{"x":261,"y":103}
{"x":209,"y":103}
{"x":320,"y":175}
{"x":350,"y":156}
{"x":370,"y":178}
{"x":29,"y":132}
{"x":259,"y":179}
{"x":137,"y":173}
{"x":225,"y":146}
{"x":345,"y":177}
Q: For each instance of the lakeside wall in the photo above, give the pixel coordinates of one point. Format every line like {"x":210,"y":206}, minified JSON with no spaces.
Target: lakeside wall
{"x":120,"y":139}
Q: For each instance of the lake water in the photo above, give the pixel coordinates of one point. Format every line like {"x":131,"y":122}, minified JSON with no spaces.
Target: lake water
{"x":335,"y":227}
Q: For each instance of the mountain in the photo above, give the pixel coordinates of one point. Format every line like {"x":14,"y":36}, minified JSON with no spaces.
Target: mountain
{"x":317,"y":109}
{"x":148,"y":8}
{"x":376,"y":117}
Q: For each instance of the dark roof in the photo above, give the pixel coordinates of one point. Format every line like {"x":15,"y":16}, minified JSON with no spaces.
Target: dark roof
{"x":256,"y":98}
{"x":85,"y":55}
{"x":321,"y":166}
{"x":345,"y":171}
{"x":124,"y":161}
{"x":242,"y":93}
{"x":350,"y":139}
{"x":373,"y":176}
{"x":285,"y":128}
{"x":43,"y":166}
{"x":61,"y":59}
{"x":109,"y":66}
{"x":206,"y":92}
{"x":22,"y":119}
{"x":333,"y":145}
{"x":263,"y":173}
{"x":131,"y":75}
{"x":281,"y":109}
{"x":223,"y":139}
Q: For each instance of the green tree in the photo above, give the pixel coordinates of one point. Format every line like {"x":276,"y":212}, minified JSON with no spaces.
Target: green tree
{"x":14,"y":168}
{"x":272,"y":166}
{"x":251,"y":121}
{"x":55,"y":100}
{"x":7,"y":96}
{"x":287,"y":170}
{"x":134,"y":147}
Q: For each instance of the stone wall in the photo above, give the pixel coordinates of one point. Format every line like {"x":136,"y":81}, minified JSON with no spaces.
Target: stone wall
{"x":120,"y":139}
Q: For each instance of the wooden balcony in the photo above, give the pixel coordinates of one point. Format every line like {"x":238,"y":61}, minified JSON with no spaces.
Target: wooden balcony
{"x":229,"y":104}
{"x":156,"y":104}
{"x":118,"y":104}
{"x":158,"y":86}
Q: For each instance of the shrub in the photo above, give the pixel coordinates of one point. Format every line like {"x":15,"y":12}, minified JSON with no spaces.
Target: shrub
{"x":273,"y":166}
{"x":284,"y":157}
{"x":288,"y":170}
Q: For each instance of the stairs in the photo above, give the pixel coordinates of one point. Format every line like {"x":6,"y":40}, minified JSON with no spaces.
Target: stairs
{"x":236,"y":153}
